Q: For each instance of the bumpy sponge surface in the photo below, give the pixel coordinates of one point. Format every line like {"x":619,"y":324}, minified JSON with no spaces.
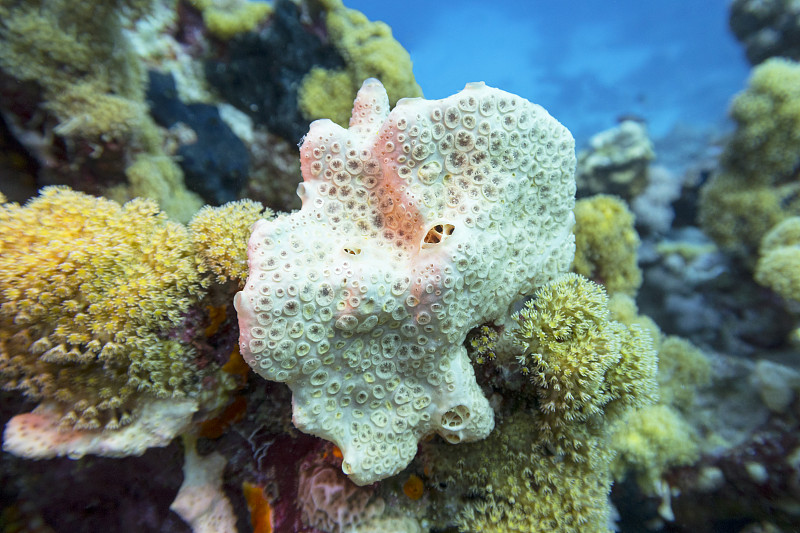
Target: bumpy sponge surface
{"x":416,"y":226}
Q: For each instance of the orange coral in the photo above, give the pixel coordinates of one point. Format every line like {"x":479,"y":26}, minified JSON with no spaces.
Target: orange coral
{"x":413,"y":487}
{"x":260,"y":510}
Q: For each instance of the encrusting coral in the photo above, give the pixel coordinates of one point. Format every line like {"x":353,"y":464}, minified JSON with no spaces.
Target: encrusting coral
{"x":758,"y":184}
{"x":89,"y":290}
{"x":417,"y":225}
{"x":369,"y":51}
{"x":606,"y":244}
{"x":227,"y":18}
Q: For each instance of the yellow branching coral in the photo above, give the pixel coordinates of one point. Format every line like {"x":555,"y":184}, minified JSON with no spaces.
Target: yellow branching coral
{"x":547,"y":465}
{"x":369,"y":51}
{"x":606,"y":244}
{"x":89,"y":289}
{"x":579,"y":360}
{"x":220,"y":236}
{"x":758,"y":185}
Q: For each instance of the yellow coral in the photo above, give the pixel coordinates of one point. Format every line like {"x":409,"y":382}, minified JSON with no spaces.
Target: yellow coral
{"x":757,"y":186}
{"x":226,"y":18}
{"x":369,"y":51}
{"x":606,"y":244}
{"x":89,"y":290}
{"x":622,"y":308}
{"x":512,"y":483}
{"x":547,"y":464}
{"x":220,"y":235}
{"x":579,"y":360}
{"x":682,"y":369}
{"x":159,"y":178}
{"x":77,"y":53}
{"x":778,"y":266}
{"x":482,"y":343}
{"x":650,"y":440}
{"x":767,"y":114}
{"x":327,"y":93}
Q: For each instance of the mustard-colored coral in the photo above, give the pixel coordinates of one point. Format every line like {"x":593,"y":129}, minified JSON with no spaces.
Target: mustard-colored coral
{"x":512,"y":483}
{"x":226,"y":18}
{"x":327,"y":93}
{"x":682,"y":369}
{"x":579,"y":360}
{"x":758,"y":184}
{"x":369,"y":51}
{"x":650,"y":440}
{"x":89,"y":290}
{"x":158,"y":177}
{"x":778,"y":266}
{"x":606,"y":244}
{"x":220,"y":236}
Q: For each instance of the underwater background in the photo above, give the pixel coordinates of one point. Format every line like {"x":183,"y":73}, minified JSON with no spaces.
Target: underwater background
{"x":586,"y":62}
{"x":565,"y":300}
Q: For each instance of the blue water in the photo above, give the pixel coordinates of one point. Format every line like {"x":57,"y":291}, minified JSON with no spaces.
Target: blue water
{"x":585,"y":61}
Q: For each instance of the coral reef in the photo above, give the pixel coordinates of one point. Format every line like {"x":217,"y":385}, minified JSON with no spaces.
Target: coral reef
{"x":767,"y":28}
{"x":606,"y":244}
{"x":416,"y":226}
{"x":213,"y":159}
{"x":778,"y":264}
{"x":758,"y":184}
{"x":90,"y":290}
{"x":260,"y":72}
{"x":79,"y":107}
{"x":412,"y":293}
{"x":369,"y":51}
{"x":547,"y":465}
{"x":616,"y":161}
